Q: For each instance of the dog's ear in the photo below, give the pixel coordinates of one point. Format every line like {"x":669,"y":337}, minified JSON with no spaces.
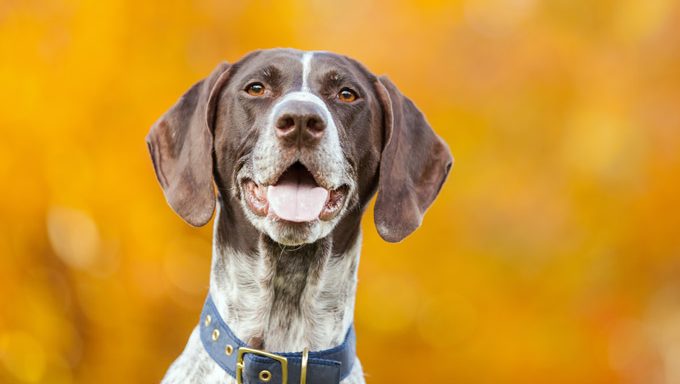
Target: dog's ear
{"x":181,"y":146}
{"x":413,"y":166}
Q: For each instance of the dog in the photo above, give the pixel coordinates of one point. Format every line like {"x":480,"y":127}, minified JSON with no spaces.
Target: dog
{"x":288,"y":147}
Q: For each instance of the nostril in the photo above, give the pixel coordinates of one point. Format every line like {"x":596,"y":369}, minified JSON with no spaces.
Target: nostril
{"x":285,"y":123}
{"x":315,"y":125}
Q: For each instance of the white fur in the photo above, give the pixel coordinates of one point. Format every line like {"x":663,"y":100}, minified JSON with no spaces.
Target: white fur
{"x":306,"y":68}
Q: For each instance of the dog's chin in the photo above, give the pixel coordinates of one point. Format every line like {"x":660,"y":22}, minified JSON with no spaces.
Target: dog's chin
{"x":290,"y":233}
{"x":294,"y":234}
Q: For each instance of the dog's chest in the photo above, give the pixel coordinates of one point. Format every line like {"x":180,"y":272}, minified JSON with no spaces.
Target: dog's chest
{"x":286,"y":302}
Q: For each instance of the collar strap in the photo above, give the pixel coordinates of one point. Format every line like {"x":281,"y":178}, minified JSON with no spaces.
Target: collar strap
{"x":250,"y":366}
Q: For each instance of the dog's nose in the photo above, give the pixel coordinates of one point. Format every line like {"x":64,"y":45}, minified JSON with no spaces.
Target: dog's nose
{"x":299,"y":122}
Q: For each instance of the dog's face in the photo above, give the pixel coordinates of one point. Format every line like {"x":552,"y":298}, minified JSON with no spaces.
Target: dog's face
{"x":297,"y":140}
{"x":286,"y":136}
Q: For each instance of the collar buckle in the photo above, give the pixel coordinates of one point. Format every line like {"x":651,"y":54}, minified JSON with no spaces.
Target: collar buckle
{"x":240,"y":365}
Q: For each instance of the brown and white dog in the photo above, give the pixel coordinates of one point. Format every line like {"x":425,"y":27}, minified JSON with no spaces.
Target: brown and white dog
{"x":291,"y":146}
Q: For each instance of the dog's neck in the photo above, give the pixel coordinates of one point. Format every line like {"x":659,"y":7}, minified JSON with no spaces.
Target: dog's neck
{"x":278,"y":298}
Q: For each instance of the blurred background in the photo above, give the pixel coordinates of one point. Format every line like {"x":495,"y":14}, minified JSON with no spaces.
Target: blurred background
{"x":552,"y":255}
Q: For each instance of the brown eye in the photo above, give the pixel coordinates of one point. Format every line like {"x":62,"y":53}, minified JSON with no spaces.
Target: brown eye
{"x":347,"y":95}
{"x":255,"y":89}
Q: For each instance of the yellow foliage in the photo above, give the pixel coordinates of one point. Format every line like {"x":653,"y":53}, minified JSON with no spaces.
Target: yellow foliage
{"x":552,"y":255}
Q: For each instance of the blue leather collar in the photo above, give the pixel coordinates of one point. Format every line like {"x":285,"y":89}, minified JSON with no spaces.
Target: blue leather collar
{"x":323,"y":367}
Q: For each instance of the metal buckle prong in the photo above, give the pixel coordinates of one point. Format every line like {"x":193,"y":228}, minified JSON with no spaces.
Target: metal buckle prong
{"x":303,"y":368}
{"x":240,"y":366}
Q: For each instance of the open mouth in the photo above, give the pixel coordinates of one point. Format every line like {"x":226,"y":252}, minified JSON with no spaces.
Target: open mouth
{"x":294,"y":197}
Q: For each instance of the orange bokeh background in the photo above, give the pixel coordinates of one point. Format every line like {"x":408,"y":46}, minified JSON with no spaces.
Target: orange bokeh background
{"x":551,"y":256}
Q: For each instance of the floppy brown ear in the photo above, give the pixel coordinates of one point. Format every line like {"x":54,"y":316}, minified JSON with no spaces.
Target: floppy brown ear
{"x":413,"y":167}
{"x":181,"y":146}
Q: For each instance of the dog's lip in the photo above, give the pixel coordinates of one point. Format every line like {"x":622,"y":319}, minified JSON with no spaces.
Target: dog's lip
{"x":255,"y":196}
{"x":318,"y":179}
{"x":334,"y":203}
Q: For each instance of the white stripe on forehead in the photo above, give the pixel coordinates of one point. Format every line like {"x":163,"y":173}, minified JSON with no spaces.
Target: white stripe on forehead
{"x":306,"y":65}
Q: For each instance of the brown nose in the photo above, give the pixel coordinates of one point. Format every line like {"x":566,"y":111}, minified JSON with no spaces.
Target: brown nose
{"x":299,"y":123}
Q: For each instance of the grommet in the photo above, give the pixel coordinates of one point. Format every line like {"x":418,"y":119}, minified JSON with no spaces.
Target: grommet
{"x":208,"y":320}
{"x":228,"y":350}
{"x":215,"y":334}
{"x":265,"y":375}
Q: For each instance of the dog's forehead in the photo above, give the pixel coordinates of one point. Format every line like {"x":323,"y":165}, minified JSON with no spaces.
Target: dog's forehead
{"x":296,"y":63}
{"x":326,"y":62}
{"x":286,"y":58}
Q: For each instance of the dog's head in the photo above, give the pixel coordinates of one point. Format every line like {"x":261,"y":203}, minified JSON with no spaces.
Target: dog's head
{"x":297,"y":140}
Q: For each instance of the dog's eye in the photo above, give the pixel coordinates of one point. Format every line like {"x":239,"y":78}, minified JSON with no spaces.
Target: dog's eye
{"x":255,"y":89}
{"x":347,"y":95}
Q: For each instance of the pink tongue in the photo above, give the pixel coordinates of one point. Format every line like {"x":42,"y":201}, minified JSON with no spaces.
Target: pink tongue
{"x":296,"y":197}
